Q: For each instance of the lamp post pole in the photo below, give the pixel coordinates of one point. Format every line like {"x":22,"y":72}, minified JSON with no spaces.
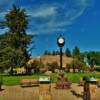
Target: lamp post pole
{"x":60,"y":42}
{"x":60,"y":58}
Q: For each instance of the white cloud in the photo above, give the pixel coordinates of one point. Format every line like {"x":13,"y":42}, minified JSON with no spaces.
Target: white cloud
{"x":58,"y":17}
{"x":43,"y":11}
{"x":30,"y":32}
{"x":2,"y":14}
{"x":50,"y":17}
{"x":2,"y":31}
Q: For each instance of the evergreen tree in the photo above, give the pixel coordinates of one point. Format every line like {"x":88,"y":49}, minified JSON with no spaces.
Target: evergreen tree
{"x":57,"y":52}
{"x":76,"y":52}
{"x":76,"y":64}
{"x":54,"y":52}
{"x":16,"y":20}
{"x":46,"y":52}
{"x":13,"y":44}
{"x":52,"y":66}
{"x":67,"y":52}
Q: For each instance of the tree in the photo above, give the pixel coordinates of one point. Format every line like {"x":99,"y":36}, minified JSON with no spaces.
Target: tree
{"x":92,"y":62}
{"x":13,"y":44}
{"x":76,"y":64}
{"x":52,"y":66}
{"x":76,"y":52}
{"x":36,"y":65}
{"x":68,"y":67}
{"x":57,"y":52}
{"x":46,"y":52}
{"x":67,"y":52}
{"x":93,"y":57}
{"x":1,"y":82}
{"x":54,"y":52}
{"x":16,"y":20}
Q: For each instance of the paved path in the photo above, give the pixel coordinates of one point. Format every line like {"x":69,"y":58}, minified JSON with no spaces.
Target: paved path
{"x":69,"y":94}
{"x":18,"y":93}
{"x":32,"y":93}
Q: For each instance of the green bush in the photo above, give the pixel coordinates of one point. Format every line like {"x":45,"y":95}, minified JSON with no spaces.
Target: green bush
{"x":97,"y":69}
{"x":52,"y":66}
{"x":1,"y":81}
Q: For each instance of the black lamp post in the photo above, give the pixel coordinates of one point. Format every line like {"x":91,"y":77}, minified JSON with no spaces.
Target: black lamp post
{"x":60,"y":42}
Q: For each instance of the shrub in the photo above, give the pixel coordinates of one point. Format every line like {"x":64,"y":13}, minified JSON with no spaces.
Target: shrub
{"x":97,"y":69}
{"x":37,"y":65}
{"x":1,"y":82}
{"x":52,"y":66}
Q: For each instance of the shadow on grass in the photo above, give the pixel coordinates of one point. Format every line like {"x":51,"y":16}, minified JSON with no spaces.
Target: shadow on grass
{"x":29,"y":86}
{"x":78,"y":95}
{"x":2,"y":90}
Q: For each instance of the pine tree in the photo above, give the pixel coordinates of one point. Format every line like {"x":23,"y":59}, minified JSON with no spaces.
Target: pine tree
{"x":54,"y":52}
{"x":13,"y":44}
{"x":57,"y":52}
{"x":67,"y":52}
{"x":16,"y":20}
{"x":76,"y":52}
{"x":46,"y":52}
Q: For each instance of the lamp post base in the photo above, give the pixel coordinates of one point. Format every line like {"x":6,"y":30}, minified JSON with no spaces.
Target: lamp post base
{"x":62,"y":81}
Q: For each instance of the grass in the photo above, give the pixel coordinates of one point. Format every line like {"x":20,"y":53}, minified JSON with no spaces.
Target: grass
{"x":15,"y":80}
{"x":73,"y":77}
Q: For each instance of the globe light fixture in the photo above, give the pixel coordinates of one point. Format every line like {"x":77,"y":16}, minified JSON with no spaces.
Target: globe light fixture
{"x":60,"y":41}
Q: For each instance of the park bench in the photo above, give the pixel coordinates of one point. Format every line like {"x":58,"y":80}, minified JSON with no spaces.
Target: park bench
{"x":44,"y":84}
{"x":29,"y":82}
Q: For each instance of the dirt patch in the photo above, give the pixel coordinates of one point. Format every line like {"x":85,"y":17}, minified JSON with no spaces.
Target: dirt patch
{"x":32,"y":93}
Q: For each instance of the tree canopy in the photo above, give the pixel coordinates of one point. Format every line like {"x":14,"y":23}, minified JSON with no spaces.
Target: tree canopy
{"x":67,"y":52}
{"x":14,"y":43}
{"x":76,"y":52}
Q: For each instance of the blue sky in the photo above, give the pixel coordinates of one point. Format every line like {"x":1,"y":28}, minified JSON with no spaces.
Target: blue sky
{"x":77,"y":20}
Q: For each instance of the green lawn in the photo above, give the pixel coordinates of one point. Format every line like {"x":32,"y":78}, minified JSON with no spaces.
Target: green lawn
{"x":73,"y":77}
{"x":15,"y":80}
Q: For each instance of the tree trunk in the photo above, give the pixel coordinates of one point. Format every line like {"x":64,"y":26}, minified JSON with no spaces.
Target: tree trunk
{"x":73,"y":70}
{"x":0,"y":87}
{"x":11,"y":71}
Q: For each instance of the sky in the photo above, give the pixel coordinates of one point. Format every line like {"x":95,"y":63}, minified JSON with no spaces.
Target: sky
{"x":77,"y":20}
